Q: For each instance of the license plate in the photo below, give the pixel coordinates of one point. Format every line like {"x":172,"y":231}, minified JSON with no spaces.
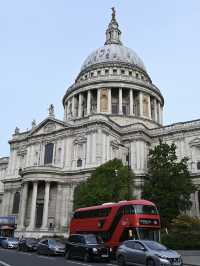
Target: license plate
{"x":104,"y":255}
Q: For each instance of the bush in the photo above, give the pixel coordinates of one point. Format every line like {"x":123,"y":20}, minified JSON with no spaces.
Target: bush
{"x":184,"y":234}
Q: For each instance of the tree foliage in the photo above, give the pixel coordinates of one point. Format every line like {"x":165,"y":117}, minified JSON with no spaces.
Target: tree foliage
{"x":184,"y":233}
{"x":110,"y":182}
{"x":168,"y":183}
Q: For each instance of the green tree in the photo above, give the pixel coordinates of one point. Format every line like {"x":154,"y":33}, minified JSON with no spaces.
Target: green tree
{"x":110,"y":182}
{"x":168,"y":183}
{"x":184,"y":233}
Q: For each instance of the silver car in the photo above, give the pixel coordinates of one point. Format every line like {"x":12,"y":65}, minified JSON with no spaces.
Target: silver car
{"x":10,"y":242}
{"x":148,"y":253}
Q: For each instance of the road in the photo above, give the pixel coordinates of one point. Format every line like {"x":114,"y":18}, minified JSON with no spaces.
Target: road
{"x":16,"y":258}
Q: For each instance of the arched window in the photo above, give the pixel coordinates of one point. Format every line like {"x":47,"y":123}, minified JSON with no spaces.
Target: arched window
{"x":16,"y":201}
{"x":48,"y":155}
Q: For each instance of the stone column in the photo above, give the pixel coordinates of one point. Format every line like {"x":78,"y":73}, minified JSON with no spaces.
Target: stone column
{"x":131,"y":101}
{"x":88,"y":150}
{"x":141,"y":104}
{"x":196,"y":203}
{"x":155,"y":110}
{"x":159,"y":113}
{"x":58,"y":206}
{"x":80,"y":99}
{"x":94,"y":148}
{"x":109,"y":101}
{"x":88,"y":102}
{"x":149,"y":107}
{"x":107,"y":147}
{"x":98,"y":100}
{"x":46,"y":207}
{"x":33,"y":206}
{"x":120,"y":101}
{"x":24,"y":195}
{"x":73,"y":106}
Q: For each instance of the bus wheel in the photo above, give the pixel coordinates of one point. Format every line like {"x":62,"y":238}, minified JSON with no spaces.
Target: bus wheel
{"x":86,"y":257}
{"x":121,"y":261}
{"x":150,"y":262}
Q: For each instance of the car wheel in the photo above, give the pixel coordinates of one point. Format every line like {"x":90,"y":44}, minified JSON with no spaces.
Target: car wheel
{"x":150,"y":262}
{"x":121,"y":261}
{"x":68,"y":255}
{"x":86,"y":257}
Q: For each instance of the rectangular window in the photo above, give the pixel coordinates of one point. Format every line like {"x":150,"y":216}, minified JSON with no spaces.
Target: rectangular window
{"x":48,"y":155}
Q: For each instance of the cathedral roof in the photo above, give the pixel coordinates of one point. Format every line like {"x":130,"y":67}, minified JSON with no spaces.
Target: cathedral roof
{"x":113,"y":49}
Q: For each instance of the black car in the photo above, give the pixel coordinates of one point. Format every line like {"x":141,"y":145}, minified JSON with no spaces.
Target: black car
{"x":28,"y":244}
{"x":51,"y":246}
{"x":87,"y":247}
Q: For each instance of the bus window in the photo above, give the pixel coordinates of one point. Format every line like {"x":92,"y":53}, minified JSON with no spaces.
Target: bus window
{"x":149,"y":234}
{"x":145,"y":209}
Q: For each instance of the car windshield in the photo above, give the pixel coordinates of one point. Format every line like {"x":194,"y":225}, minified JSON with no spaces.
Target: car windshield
{"x":155,"y":246}
{"x":92,"y":239}
{"x":145,"y":209}
{"x":54,"y":242}
{"x":32,"y":241}
{"x":12,"y":239}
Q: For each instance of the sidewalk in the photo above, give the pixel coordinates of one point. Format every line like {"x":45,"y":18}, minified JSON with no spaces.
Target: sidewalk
{"x":190,"y":257}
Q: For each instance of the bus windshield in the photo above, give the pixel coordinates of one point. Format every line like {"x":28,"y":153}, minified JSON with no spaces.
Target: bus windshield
{"x":145,"y":209}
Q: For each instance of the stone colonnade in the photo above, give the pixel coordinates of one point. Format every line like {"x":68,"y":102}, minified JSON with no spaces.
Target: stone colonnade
{"x":23,"y":206}
{"x":148,"y":106}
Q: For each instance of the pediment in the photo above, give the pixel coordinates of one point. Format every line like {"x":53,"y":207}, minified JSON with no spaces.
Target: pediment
{"x":49,"y":125}
{"x":195,"y":142}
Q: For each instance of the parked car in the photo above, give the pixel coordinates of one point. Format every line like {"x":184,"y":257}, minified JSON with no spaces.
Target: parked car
{"x":10,"y":242}
{"x":2,"y":238}
{"x":28,"y":244}
{"x":49,"y":246}
{"x":148,"y":253}
{"x":87,"y":247}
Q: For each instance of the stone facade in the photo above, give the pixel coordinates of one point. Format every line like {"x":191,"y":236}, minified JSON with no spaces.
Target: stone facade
{"x":113,"y":110}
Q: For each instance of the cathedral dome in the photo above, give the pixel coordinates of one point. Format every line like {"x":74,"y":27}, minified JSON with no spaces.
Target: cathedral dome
{"x":111,"y":53}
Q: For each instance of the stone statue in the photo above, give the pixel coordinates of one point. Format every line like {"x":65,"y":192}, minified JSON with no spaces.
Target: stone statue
{"x":113,"y":13}
{"x":16,"y":130}
{"x":33,"y":123}
{"x":51,"y":110}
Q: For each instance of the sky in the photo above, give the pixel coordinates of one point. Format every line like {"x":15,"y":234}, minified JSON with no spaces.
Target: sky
{"x":44,"y":43}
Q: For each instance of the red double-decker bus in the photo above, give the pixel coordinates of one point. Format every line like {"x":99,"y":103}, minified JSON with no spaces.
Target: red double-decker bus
{"x":116,"y":222}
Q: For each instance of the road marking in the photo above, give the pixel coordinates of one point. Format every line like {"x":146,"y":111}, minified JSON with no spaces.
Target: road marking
{"x":45,"y":257}
{"x":4,"y":263}
{"x":80,"y":263}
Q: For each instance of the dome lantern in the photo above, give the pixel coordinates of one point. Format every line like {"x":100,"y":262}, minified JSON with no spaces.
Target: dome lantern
{"x":113,"y":33}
